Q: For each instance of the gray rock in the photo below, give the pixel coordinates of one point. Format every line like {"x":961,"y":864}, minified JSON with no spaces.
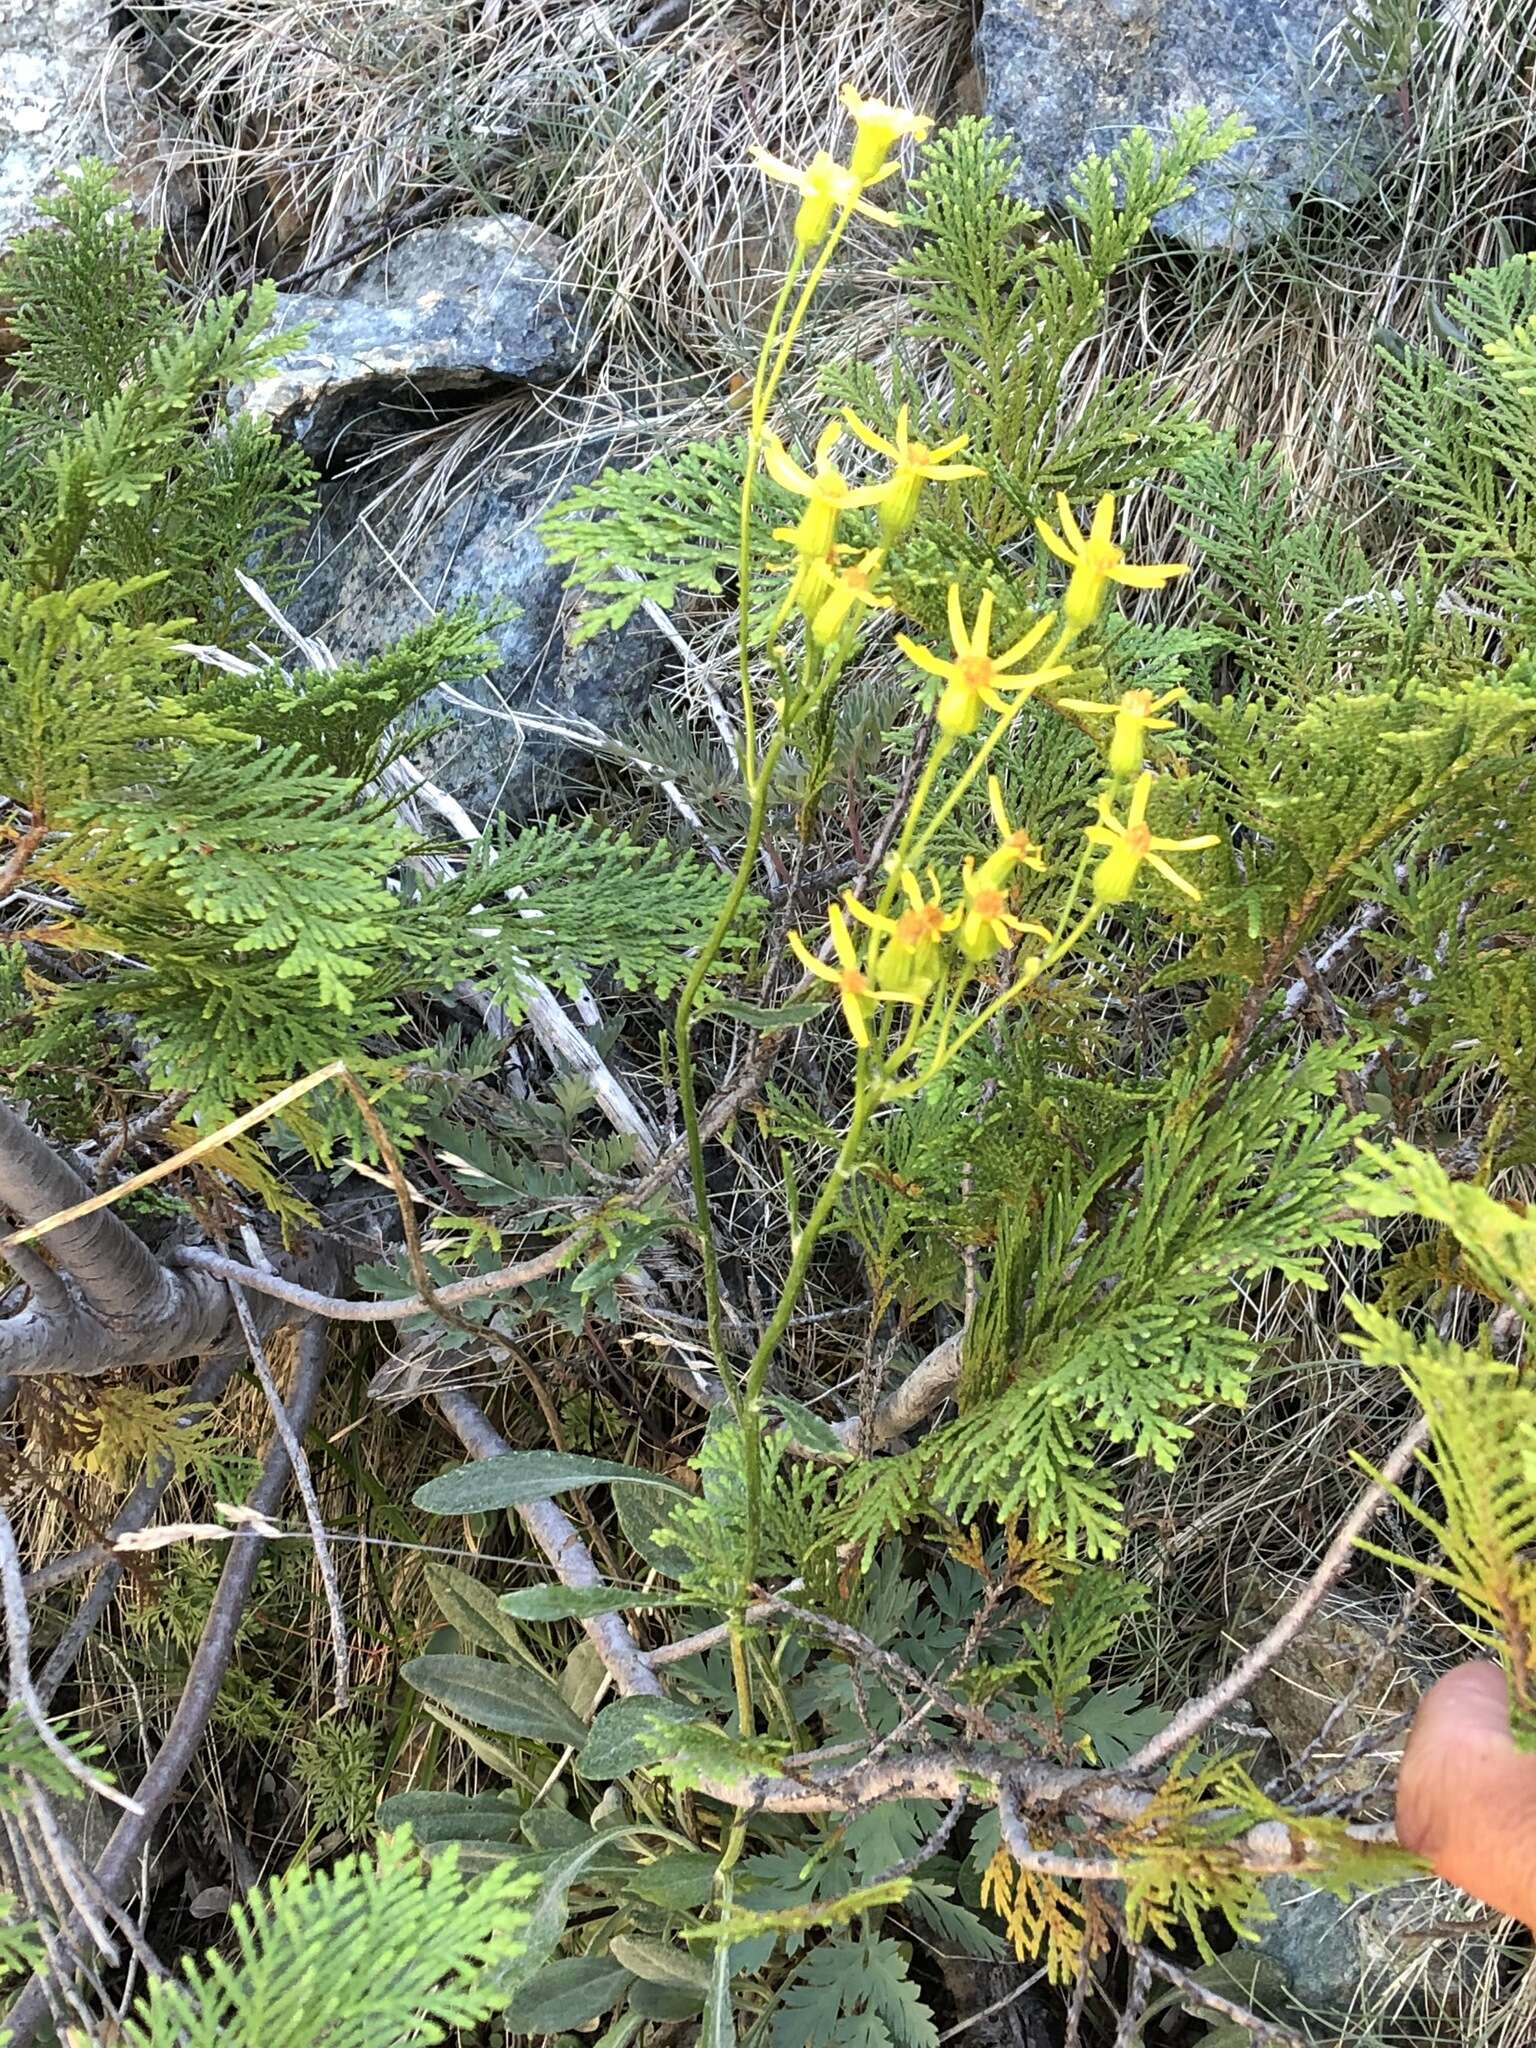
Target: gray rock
{"x":449,"y":309}
{"x":66,"y":92}
{"x":1315,"y":1942}
{"x":1065,"y":78}
{"x":371,"y":582}
{"x":1347,"y":1677}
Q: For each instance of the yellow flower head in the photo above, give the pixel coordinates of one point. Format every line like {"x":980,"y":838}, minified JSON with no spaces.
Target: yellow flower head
{"x":908,"y":944}
{"x":1096,"y":561}
{"x":855,"y":989}
{"x":915,"y":463}
{"x":1133,"y":844}
{"x":1015,"y":848}
{"x":1135,"y":715}
{"x":975,"y":677}
{"x":827,"y":492}
{"x":827,"y":190}
{"x":880,"y":128}
{"x":988,"y":925}
{"x":850,"y":590}
{"x":812,"y":577}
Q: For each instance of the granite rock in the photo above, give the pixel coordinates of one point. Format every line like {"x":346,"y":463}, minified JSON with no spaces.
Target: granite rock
{"x":450,"y":310}
{"x":68,"y":90}
{"x":1333,"y":1703}
{"x":1064,"y":79}
{"x":376,"y":576}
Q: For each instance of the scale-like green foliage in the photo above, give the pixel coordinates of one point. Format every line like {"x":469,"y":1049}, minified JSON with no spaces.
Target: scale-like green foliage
{"x":1107,"y":1314}
{"x":379,"y":1951}
{"x":207,"y":830}
{"x":1463,"y":428}
{"x":107,"y":467}
{"x":1481,"y":1412}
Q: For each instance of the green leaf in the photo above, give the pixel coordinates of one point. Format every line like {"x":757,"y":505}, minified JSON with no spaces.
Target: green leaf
{"x":547,"y":1921}
{"x":683,"y":1882}
{"x":663,"y":2001}
{"x":471,"y":1609}
{"x":442,"y":1817}
{"x":518,"y":1477}
{"x":572,"y":1603}
{"x":625,"y":1737}
{"x":640,"y":1515}
{"x":786,"y":1018}
{"x":494,"y":1695}
{"x":570,"y":1993}
{"x":810,"y":1432}
{"x":659,"y":1962}
{"x":551,"y":1827}
{"x":853,"y":1991}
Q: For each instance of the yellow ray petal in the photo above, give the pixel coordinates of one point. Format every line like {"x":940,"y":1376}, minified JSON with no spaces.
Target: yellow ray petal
{"x":842,"y":939}
{"x":1069,"y":525}
{"x":784,"y":469}
{"x":1155,"y":860}
{"x":1026,"y":642}
{"x":808,"y":960}
{"x":1148,"y":575}
{"x":925,"y":658}
{"x":1059,"y":548}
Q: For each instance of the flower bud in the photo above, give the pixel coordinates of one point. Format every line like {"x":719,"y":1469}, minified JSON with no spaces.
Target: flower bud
{"x":1115,"y":876}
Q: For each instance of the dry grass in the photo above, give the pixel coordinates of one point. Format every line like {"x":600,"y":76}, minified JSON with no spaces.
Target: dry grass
{"x":625,"y":129}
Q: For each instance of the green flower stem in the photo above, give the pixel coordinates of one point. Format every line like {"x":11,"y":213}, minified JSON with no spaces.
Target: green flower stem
{"x":757,"y":422}
{"x":983,"y":754}
{"x":867,"y":1092}
{"x":1056,"y":946}
{"x":977,"y":762}
{"x":899,"y":859}
{"x":682,"y":1033}
{"x":771,"y":361}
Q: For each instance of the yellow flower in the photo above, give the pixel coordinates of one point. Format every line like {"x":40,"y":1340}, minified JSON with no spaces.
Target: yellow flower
{"x":856,"y":992}
{"x":1097,"y":561}
{"x":909,"y":957}
{"x":850,"y":588}
{"x":1135,"y":716}
{"x":916,"y":464}
{"x":1016,"y":848}
{"x":988,"y":925}
{"x":812,"y":577}
{"x":880,"y":128}
{"x":1131,"y":844}
{"x":976,"y":678}
{"x":827,"y":189}
{"x":826,"y":490}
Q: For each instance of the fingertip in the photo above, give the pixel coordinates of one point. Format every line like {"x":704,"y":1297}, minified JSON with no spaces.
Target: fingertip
{"x":1466,"y":1796}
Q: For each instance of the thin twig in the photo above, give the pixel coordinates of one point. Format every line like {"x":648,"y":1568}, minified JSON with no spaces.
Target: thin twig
{"x":725,"y":1104}
{"x":1188,"y":1985}
{"x":303,"y":1479}
{"x":1129,"y":2029}
{"x":22,"y":1691}
{"x":990,"y":2011}
{"x":556,"y":1535}
{"x":146,"y":1496}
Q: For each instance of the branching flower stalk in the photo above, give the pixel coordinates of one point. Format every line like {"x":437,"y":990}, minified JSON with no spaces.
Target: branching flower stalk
{"x":831,"y":194}
{"x":931,"y":962}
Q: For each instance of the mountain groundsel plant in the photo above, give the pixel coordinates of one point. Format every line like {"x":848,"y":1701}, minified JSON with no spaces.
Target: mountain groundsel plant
{"x":1113,"y":915}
